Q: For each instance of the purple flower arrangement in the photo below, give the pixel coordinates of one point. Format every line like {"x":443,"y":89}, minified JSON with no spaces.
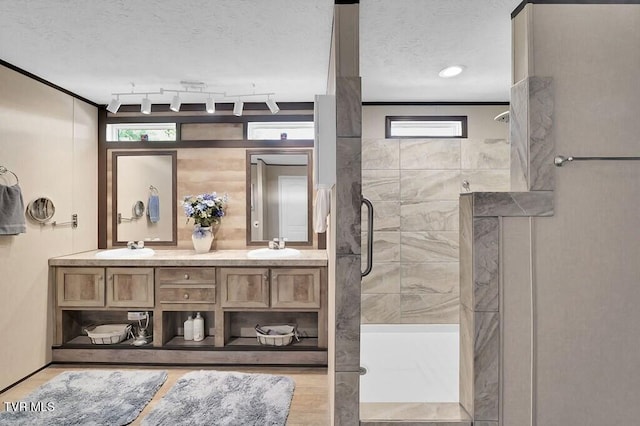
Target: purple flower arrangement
{"x":205,"y":209}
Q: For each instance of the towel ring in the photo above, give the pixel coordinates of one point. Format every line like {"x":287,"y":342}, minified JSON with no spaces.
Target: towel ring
{"x":153,"y":189}
{"x":4,"y":170}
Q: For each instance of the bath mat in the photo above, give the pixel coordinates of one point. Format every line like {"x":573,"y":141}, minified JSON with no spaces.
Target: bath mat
{"x":87,"y":397}
{"x":224,"y":398}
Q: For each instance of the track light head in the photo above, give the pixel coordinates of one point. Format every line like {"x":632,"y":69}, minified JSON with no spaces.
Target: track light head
{"x":210,"y":106}
{"x":175,"y":103}
{"x":237,"y":108}
{"x":114,"y":105}
{"x":145,"y":107}
{"x":273,"y":106}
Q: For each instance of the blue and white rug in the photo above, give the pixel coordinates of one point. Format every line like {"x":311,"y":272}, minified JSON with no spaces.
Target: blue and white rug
{"x":208,"y":398}
{"x":86,"y":397}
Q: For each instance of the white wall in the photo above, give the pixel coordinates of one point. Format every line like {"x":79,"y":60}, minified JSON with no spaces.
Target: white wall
{"x":584,"y":259}
{"x":49,"y":139}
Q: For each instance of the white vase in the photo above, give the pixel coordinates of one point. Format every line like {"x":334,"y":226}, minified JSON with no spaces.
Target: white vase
{"x":202,"y":238}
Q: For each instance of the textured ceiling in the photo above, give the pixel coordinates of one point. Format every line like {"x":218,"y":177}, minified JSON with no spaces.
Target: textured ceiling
{"x":96,"y":47}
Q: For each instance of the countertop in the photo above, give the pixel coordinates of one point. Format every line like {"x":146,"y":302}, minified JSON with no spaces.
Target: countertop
{"x":190,"y":258}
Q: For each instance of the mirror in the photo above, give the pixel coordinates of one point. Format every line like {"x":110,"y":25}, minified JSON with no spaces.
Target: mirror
{"x":279,"y":196}
{"x":149,"y":176}
{"x":41,"y":210}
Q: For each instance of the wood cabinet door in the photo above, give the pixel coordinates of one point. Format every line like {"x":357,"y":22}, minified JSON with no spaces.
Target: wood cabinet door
{"x":244,"y":287}
{"x":130,"y":287}
{"x":80,"y":287}
{"x":295,"y":288}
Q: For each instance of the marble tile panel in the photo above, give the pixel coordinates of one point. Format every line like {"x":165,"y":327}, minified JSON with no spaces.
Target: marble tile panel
{"x":348,"y":196}
{"x":518,"y":136}
{"x":534,"y":203}
{"x":424,"y":154}
{"x":421,"y":185}
{"x":466,"y":242}
{"x":430,"y":278}
{"x":487,"y":180}
{"x":381,"y":185}
{"x":347,"y":399}
{"x":386,"y":216}
{"x":380,"y":154}
{"x":486,"y":374}
{"x":384,"y":278}
{"x":386,"y":246}
{"x":429,"y":308}
{"x":486,"y":239}
{"x":380,"y":308}
{"x":439,"y":412}
{"x":541,"y":142}
{"x":431,"y":246}
{"x":347,"y":316}
{"x":466,"y":359}
{"x":348,"y":107}
{"x":429,"y":216}
{"x":485,"y":154}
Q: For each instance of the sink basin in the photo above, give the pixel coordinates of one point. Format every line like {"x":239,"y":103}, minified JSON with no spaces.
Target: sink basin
{"x":125,"y":253}
{"x":267,"y":253}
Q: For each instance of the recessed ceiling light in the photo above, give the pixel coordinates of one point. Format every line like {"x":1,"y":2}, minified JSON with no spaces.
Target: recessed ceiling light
{"x":451,"y":71}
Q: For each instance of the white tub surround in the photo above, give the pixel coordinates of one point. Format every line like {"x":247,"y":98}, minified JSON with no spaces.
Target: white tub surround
{"x":232,"y":292}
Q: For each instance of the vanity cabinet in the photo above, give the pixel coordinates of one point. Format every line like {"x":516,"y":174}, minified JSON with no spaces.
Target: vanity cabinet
{"x":232,"y":296}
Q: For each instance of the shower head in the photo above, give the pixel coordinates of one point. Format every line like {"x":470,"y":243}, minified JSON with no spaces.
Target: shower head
{"x":502,"y":117}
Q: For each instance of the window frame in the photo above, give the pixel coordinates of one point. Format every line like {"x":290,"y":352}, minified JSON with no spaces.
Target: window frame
{"x":462,"y":119}
{"x":112,"y":129}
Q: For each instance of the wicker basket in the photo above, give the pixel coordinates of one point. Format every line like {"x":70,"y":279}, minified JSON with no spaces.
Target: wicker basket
{"x":276,"y":335}
{"x":108,"y":334}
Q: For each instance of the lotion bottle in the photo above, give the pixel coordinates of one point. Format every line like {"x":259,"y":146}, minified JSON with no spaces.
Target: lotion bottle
{"x":198,"y":328}
{"x":188,"y":328}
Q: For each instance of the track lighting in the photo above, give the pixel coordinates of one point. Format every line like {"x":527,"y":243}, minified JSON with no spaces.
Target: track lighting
{"x":273,"y":106}
{"x":145,"y":108}
{"x":210,"y":106}
{"x":192,"y":89}
{"x":114,"y":105}
{"x":237,"y":108}
{"x":175,"y":103}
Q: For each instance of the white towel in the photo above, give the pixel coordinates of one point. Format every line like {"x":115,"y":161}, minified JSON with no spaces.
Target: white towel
{"x":321,"y":209}
{"x":11,"y":210}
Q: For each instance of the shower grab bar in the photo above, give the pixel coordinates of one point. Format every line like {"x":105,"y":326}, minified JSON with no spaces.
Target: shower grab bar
{"x":369,"y":238}
{"x":561,"y":159}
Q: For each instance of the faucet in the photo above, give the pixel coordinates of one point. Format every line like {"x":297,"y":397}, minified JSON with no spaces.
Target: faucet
{"x":132,"y":245}
{"x":277,"y":243}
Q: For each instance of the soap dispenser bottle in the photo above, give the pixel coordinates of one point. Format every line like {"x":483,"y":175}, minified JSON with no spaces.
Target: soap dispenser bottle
{"x":198,"y":328}
{"x":188,"y":329}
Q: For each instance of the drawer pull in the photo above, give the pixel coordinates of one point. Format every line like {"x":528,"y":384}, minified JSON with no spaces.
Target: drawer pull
{"x":186,"y":276}
{"x":266,"y":277}
{"x":186,"y":295}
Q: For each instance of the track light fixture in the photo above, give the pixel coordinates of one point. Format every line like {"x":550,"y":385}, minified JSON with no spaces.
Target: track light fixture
{"x":237,"y":108}
{"x":145,"y":107}
{"x":114,"y":105}
{"x":194,"y":89}
{"x":175,"y":103}
{"x":273,"y":106}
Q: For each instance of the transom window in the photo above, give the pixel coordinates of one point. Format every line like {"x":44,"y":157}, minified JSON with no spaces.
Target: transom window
{"x":430,"y":126}
{"x":272,"y":130}
{"x":136,"y":132}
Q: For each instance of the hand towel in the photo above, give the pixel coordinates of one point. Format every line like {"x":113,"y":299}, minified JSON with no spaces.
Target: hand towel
{"x":153,"y":208}
{"x":12,"y":220}
{"x":321,"y":209}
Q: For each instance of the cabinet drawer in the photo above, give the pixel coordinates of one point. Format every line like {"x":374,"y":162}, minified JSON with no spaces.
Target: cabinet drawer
{"x":80,"y":287}
{"x":187,"y":293}
{"x":244,"y":287}
{"x":295,"y":288}
{"x":186,"y":275}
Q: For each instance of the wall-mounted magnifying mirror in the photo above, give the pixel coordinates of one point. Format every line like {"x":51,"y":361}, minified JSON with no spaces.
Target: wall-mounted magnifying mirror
{"x":41,"y":210}
{"x":138,"y":209}
{"x":150,"y":176}
{"x":279,"y":196}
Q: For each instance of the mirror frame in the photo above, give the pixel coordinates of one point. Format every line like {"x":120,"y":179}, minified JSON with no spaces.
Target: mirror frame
{"x":308,"y":153}
{"x":114,"y":196}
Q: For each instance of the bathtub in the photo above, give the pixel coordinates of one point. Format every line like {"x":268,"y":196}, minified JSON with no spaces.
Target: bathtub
{"x":409,"y":363}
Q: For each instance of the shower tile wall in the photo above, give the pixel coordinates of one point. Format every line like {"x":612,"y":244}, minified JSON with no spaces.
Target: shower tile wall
{"x":414,"y":185}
